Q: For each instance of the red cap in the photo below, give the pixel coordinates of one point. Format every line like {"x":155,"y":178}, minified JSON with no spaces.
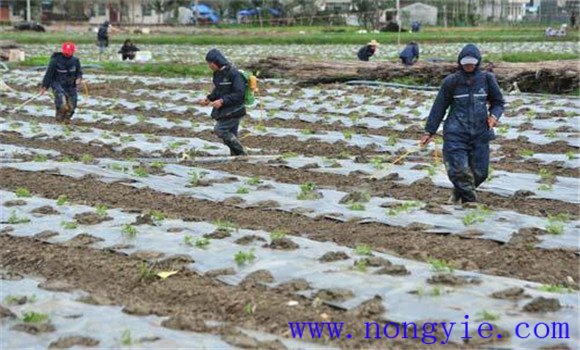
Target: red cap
{"x":68,"y":48}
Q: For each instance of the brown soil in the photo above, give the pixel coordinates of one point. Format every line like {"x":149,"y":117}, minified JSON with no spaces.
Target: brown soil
{"x":541,"y":304}
{"x":90,"y":218}
{"x":542,"y":265}
{"x":334,"y":256}
{"x":45,"y":210}
{"x":34,"y":329}
{"x":514,"y":293}
{"x":198,"y":297}
{"x":69,"y":342}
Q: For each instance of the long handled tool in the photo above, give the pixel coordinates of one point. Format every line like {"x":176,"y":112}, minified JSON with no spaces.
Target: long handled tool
{"x":27,"y":102}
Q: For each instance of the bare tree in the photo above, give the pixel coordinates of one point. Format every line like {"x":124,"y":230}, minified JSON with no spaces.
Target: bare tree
{"x":369,"y":12}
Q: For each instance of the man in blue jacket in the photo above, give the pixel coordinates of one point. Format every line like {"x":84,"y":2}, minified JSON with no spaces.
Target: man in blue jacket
{"x":63,"y":75}
{"x":468,"y":128}
{"x":227,"y":100}
{"x":368,"y":50}
{"x":410,"y":54}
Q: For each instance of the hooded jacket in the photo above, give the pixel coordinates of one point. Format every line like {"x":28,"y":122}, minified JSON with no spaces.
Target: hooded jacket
{"x":410,"y":52}
{"x":62,"y":70}
{"x":230,"y":86}
{"x":468,"y":96}
{"x":103,"y":33}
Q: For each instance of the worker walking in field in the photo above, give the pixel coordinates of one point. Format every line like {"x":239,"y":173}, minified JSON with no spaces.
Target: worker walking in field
{"x":476,"y":106}
{"x":103,"y":36}
{"x":368,"y":50}
{"x":410,"y":54}
{"x":227,"y":100}
{"x":63,"y":75}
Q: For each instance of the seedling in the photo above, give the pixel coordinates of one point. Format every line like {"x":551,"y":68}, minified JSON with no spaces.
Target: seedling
{"x":196,"y":177}
{"x":129,"y":230}
{"x":118,"y":167}
{"x":555,"y":288}
{"x":253,"y":181}
{"x":441,"y":265}
{"x":157,"y":215}
{"x":502,"y":129}
{"x":527,"y":153}
{"x":176,"y":144}
{"x":69,"y":225}
{"x":208,"y":146}
{"x":545,"y":187}
{"x":361,"y":265}
{"x":14,"y":219}
{"x":249,"y":308}
{"x":146,"y":272}
{"x":261,"y":128}
{"x":243,"y":190}
{"x":287,"y":155}
{"x":201,"y":243}
{"x":530,"y":115}
{"x":35,"y":128}
{"x":546,"y":176}
{"x":126,"y":139}
{"x":105,"y":135}
{"x":158,"y":165}
{"x":62,"y":200}
{"x":34,"y":317}
{"x":476,"y":216}
{"x":126,"y":339}
{"x":102,"y":210}
{"x":347,"y":134}
{"x":15,"y":125}
{"x":392,"y":140}
{"x":141,"y":117}
{"x":556,"y":223}
{"x":19,"y":299}
{"x":140,"y":171}
{"x":571,"y":155}
{"x":363,"y":250}
{"x":357,"y":207}
{"x":67,"y":131}
{"x":308,"y":191}
{"x":404,"y":207}
{"x":40,"y":158}
{"x":551,"y":133}
{"x":152,"y":138}
{"x":87,"y":159}
{"x":242,"y":258}
{"x":277,"y":234}
{"x":22,"y":192}
{"x":307,"y":132}
{"x":485,"y":315}
{"x":431,"y":170}
{"x":225,"y":225}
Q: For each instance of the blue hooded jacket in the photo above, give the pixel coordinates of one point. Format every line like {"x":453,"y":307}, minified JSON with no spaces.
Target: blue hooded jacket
{"x":468,"y":95}
{"x":411,"y":51}
{"x":230,"y":86}
{"x":62,"y":70}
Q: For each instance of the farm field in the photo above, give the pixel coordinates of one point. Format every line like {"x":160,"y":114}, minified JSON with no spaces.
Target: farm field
{"x":133,"y":227}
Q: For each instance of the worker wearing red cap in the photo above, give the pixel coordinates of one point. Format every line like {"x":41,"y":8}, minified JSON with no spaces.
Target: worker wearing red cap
{"x":63,"y":75}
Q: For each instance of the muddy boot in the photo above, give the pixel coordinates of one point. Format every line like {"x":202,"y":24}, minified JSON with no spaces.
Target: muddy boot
{"x":59,"y":116}
{"x":236,"y":148}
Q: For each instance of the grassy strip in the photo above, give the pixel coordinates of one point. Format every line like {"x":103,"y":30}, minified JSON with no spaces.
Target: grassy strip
{"x":530,"y":57}
{"x":310,"y":36}
{"x":164,"y":69}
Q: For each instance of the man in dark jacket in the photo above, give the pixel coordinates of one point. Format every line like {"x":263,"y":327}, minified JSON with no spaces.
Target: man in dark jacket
{"x":410,"y":54}
{"x":63,"y":75}
{"x":128,"y":50}
{"x":368,"y":50}
{"x":227,"y":100}
{"x":468,"y":128}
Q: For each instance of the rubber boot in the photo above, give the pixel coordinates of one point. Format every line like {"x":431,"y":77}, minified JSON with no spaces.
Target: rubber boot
{"x":236,"y":148}
{"x":58,"y":117}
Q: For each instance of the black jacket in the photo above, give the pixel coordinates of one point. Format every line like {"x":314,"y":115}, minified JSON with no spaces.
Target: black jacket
{"x":63,"y":70}
{"x":125,"y":49}
{"x":365,"y":53}
{"x":103,"y":33}
{"x":230,"y":86}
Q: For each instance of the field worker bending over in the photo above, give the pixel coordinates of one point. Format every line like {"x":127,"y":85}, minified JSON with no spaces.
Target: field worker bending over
{"x":468,"y":128}
{"x":227,"y":100}
{"x":410,"y":54}
{"x":128,"y":50}
{"x":368,"y":50}
{"x":63,"y":75}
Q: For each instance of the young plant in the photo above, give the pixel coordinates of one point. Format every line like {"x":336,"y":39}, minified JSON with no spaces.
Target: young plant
{"x":485,"y":315}
{"x":14,"y":219}
{"x":157,"y":215}
{"x":377,"y":162}
{"x":260,"y":128}
{"x":69,"y":225}
{"x":243,"y":190}
{"x":404,"y":207}
{"x":502,"y":129}
{"x":201,"y":243}
{"x":347,"y":134}
{"x":571,"y":155}
{"x":361,"y":265}
{"x":126,"y":339}
{"x":392,"y":140}
{"x":545,"y":187}
{"x":158,"y":165}
{"x":440,"y":265}
{"x":242,"y":258}
{"x":66,"y":131}
{"x":62,"y":200}
{"x":476,"y":216}
{"x":196,"y":177}
{"x":146,"y":272}
{"x":129,"y":230}
{"x":551,"y":133}
{"x":34,"y":317}
{"x":357,"y":207}
{"x":249,"y":308}
{"x":227,"y":226}
{"x":363,"y":250}
{"x":278,"y":234}
{"x":253,"y":181}
{"x":40,"y":158}
{"x":22,"y":192}
{"x":431,"y":170}
{"x":126,"y":139}
{"x":555,"y":288}
{"x":87,"y":159}
{"x":176,"y":144}
{"x":19,"y":299}
{"x":287,"y":155}
{"x":527,"y":153}
{"x":308,"y":191}
{"x":140,"y":172}
{"x":102,"y":210}
{"x":35,"y":128}
{"x":307,"y":132}
{"x":556,"y":223}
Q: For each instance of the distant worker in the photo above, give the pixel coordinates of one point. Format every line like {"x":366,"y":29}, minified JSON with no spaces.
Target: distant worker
{"x":368,"y":50}
{"x":415,"y":26}
{"x":63,"y":75}
{"x":103,"y":36}
{"x":227,"y":100}
{"x":410,"y":54}
{"x":573,"y":20}
{"x":128,"y":50}
{"x":475,"y":105}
